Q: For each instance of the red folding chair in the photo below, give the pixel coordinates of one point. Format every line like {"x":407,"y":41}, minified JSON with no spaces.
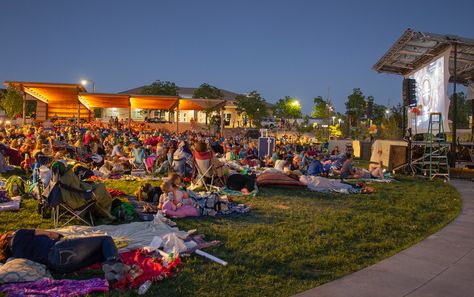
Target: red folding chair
{"x":205,"y":169}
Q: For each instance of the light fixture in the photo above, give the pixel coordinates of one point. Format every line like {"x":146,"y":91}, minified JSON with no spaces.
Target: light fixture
{"x":85,"y":82}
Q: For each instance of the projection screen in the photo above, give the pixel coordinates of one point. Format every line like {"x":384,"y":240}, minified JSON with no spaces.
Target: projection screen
{"x":431,"y":93}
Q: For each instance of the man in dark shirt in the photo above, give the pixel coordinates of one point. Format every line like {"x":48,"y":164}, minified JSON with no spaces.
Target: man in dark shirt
{"x":347,"y":170}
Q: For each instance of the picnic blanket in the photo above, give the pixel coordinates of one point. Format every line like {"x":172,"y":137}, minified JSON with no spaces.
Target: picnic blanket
{"x":12,"y":205}
{"x":55,"y":288}
{"x":139,"y":234}
{"x":227,"y":191}
{"x":326,"y":185}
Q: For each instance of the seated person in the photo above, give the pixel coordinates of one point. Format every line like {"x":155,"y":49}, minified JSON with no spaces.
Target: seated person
{"x":335,"y":151}
{"x":63,"y":255}
{"x":316,"y":167}
{"x":178,"y":204}
{"x":347,"y":171}
{"x":138,"y":155}
{"x":117,"y":150}
{"x":280,"y":163}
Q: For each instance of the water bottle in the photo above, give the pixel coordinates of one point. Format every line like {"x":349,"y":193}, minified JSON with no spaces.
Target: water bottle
{"x":144,"y":287}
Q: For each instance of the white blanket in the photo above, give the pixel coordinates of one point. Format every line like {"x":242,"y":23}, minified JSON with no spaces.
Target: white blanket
{"x":325,"y":185}
{"x":140,"y":234}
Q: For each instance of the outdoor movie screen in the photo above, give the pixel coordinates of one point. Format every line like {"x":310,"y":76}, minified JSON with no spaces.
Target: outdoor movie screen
{"x":431,"y":94}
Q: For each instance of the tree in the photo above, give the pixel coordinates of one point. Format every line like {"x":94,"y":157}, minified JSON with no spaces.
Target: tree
{"x":207,"y":91}
{"x":252,"y":105}
{"x":321,"y":108}
{"x":464,"y":110}
{"x":158,"y":87}
{"x":356,"y":106}
{"x":380,"y":112}
{"x":355,"y":111}
{"x":288,"y":108}
{"x":305,"y":126}
{"x":12,"y":101}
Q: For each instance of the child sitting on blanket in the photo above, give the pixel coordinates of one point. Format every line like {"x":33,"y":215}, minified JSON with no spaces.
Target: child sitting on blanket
{"x":177,"y":181}
{"x":179,"y":204}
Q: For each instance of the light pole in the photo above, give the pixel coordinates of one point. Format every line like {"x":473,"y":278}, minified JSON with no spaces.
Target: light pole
{"x":85,"y":82}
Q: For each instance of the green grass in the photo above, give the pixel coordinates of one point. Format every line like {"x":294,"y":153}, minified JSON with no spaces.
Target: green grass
{"x":294,"y":240}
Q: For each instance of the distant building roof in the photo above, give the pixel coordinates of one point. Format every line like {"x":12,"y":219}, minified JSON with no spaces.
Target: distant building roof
{"x":185,"y":92}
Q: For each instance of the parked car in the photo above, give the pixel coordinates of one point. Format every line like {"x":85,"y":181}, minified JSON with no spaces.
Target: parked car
{"x":268,"y":123}
{"x":156,"y":120}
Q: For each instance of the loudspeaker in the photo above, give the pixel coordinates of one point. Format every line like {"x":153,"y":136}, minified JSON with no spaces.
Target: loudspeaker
{"x":409,"y":92}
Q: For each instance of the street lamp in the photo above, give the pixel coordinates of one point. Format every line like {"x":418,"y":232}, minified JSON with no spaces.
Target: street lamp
{"x":333,"y":120}
{"x":339,"y":121}
{"x":85,"y":82}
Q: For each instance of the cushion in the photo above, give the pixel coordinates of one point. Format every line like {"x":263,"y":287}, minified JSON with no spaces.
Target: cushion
{"x":277,"y":179}
{"x":22,"y":270}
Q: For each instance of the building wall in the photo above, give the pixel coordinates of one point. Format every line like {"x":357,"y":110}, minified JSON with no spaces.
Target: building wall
{"x":233,"y":119}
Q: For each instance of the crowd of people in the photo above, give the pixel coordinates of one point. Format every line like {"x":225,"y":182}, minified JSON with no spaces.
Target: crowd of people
{"x":111,"y":152}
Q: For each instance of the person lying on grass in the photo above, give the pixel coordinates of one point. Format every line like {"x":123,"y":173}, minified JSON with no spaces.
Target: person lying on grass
{"x":63,"y":255}
{"x":349,"y":172}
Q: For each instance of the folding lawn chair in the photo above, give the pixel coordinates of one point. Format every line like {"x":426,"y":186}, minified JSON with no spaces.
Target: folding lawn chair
{"x":205,"y":169}
{"x":60,"y":208}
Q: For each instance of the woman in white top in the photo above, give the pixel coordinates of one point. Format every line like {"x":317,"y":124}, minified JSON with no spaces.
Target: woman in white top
{"x":280,"y":163}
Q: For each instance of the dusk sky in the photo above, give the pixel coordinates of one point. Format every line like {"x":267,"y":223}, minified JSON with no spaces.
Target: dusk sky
{"x":296,"y":48}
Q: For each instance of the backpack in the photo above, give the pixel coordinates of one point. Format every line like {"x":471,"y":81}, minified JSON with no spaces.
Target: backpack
{"x":15,"y":186}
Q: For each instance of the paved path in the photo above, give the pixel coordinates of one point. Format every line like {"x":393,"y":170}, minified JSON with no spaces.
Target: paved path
{"x":441,"y":265}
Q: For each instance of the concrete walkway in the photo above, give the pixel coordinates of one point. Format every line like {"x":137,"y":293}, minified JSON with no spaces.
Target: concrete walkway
{"x":441,"y":265}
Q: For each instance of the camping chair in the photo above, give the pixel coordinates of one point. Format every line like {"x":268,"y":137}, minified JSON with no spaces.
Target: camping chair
{"x":53,"y":197}
{"x":206,"y":171}
{"x":59,"y":208}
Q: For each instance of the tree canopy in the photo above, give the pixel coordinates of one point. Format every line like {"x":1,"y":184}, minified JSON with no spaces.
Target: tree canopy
{"x":158,"y":87}
{"x":288,"y":108}
{"x":252,"y":105}
{"x":356,"y":106}
{"x":11,"y":101}
{"x":464,"y":110}
{"x":207,"y":91}
{"x":321,"y":108}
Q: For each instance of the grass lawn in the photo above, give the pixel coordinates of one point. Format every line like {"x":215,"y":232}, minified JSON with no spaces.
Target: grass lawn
{"x":294,"y":240}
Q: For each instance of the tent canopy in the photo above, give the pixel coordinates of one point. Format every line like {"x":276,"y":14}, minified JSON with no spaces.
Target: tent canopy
{"x":54,"y":93}
{"x":101,"y":100}
{"x":200,"y":104}
{"x":62,"y":99}
{"x":414,"y":49}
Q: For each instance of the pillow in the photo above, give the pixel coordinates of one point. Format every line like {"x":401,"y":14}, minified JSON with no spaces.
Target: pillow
{"x":277,"y":179}
{"x":22,"y":270}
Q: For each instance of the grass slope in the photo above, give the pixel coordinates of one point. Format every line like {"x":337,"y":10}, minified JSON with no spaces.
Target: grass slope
{"x":294,"y":240}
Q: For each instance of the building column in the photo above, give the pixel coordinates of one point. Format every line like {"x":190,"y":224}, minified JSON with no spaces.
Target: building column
{"x":79,"y":112}
{"x":24,"y":109}
{"x":177,"y":119}
{"x":129,"y":114}
{"x":222,"y":120}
